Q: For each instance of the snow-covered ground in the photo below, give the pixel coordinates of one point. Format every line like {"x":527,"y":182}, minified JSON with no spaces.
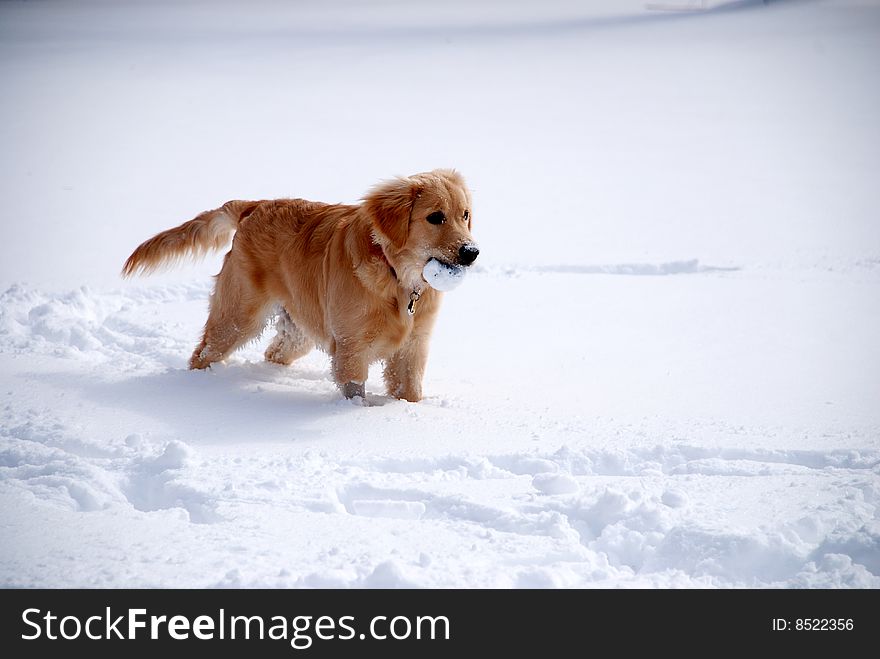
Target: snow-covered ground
{"x":665,"y":371}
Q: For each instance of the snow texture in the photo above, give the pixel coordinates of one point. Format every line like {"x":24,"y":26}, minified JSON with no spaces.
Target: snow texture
{"x":443,"y":276}
{"x":663,"y":372}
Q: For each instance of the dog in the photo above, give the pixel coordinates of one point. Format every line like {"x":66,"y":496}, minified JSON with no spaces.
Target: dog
{"x":348,"y":278}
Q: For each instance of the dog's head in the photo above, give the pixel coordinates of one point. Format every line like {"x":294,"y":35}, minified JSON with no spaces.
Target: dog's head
{"x":421,"y":217}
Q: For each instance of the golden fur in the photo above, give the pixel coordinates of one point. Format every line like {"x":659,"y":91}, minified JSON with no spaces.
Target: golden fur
{"x":343,"y":274}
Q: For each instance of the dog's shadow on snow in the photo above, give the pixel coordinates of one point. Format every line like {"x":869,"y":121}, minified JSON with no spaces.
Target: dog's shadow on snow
{"x":241,"y":402}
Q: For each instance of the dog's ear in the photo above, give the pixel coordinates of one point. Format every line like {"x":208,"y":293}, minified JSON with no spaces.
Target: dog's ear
{"x":390,"y":207}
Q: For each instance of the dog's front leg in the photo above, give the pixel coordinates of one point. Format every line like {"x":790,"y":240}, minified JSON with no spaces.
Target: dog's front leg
{"x":404,"y":371}
{"x":350,"y":368}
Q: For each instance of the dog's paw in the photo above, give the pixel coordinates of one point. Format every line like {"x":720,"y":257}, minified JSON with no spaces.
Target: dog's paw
{"x":354,"y":390}
{"x":276,"y":355}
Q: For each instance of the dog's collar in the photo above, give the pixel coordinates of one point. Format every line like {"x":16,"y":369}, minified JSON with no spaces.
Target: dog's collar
{"x":379,"y":253}
{"x":416,"y":292}
{"x":413,"y":298}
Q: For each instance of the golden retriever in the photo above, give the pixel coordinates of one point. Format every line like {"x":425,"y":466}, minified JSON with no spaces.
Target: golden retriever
{"x":348,"y":277}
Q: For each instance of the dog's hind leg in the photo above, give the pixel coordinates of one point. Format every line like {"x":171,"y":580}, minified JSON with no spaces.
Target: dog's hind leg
{"x":238,"y":313}
{"x":290,"y":342}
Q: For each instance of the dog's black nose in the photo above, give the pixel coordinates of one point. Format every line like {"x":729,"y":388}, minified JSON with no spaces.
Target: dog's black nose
{"x":468,"y":253}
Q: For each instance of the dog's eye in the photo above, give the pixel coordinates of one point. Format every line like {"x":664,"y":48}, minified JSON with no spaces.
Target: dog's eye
{"x":437,"y":217}
{"x":467,"y":214}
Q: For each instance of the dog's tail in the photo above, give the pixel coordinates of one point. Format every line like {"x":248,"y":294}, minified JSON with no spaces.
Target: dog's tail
{"x":208,"y":231}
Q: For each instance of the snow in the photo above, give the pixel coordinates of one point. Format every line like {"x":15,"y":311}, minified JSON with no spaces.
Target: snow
{"x":443,"y":276}
{"x":555,"y":483}
{"x":661,"y":372}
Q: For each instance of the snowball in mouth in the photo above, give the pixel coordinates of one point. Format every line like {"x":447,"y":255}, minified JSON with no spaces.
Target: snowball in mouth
{"x":443,"y":276}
